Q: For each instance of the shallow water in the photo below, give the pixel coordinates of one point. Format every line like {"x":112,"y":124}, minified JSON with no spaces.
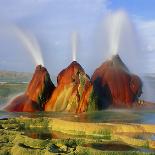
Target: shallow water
{"x":112,"y":147}
{"x":12,"y":88}
{"x":142,"y":136}
{"x":105,"y":116}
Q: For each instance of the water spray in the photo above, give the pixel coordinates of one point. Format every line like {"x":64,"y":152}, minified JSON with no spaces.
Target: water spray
{"x":31,"y":44}
{"x":115,"y":32}
{"x":113,"y":26}
{"x":74,"y":45}
{"x":120,"y":36}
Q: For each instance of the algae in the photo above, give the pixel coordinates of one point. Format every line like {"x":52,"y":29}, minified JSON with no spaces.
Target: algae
{"x":13,"y":140}
{"x":92,"y":106}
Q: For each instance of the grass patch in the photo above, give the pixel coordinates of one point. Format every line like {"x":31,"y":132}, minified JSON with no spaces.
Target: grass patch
{"x":105,"y":134}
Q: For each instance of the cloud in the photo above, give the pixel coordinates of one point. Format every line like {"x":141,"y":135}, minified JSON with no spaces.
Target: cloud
{"x":147,"y":30}
{"x":17,"y":9}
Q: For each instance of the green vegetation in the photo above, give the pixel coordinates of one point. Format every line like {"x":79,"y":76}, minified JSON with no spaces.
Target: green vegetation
{"x":35,"y":122}
{"x":92,"y":101}
{"x":14,"y":141}
{"x":20,"y":124}
{"x":104,"y":134}
{"x":30,"y":142}
{"x":20,"y":149}
{"x":82,"y":79}
{"x":11,"y":124}
{"x":44,"y":94}
{"x":146,"y":144}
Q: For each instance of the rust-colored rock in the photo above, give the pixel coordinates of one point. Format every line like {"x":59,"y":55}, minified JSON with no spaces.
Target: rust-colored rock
{"x":73,"y":91}
{"x":22,"y":103}
{"x":112,"y":84}
{"x":37,"y":94}
{"x":115,"y":85}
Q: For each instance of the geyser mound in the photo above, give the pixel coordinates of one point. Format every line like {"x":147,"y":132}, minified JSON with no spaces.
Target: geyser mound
{"x":74,"y":91}
{"x":115,"y":85}
{"x":37,"y":94}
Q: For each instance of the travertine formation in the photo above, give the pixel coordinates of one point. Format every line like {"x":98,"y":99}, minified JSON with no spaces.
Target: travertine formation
{"x":115,"y":85}
{"x":112,"y":85}
{"x":37,"y":94}
{"x":73,"y":92}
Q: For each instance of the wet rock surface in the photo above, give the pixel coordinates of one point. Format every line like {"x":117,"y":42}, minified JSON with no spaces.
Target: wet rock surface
{"x":73,"y":92}
{"x":112,"y":85}
{"x":115,"y":85}
{"x":37,"y":94}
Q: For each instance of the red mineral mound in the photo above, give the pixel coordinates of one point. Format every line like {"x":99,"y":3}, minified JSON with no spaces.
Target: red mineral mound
{"x":37,"y":94}
{"x":73,"y":92}
{"x":115,"y":85}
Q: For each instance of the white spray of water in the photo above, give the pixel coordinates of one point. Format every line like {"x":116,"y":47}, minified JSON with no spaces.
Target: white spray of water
{"x":115,"y":32}
{"x":119,"y":35}
{"x":31,"y":44}
{"x":113,"y":25}
{"x":74,"y":46}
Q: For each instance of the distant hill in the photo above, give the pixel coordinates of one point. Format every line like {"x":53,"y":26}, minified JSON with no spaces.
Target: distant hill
{"x":12,"y":76}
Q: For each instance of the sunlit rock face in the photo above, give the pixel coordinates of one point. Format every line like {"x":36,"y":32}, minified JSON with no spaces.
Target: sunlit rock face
{"x":40,"y":87}
{"x":74,"y":92}
{"x":115,"y":85}
{"x":37,"y":94}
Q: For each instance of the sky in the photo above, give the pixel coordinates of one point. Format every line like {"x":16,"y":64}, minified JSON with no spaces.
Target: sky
{"x":52,"y":23}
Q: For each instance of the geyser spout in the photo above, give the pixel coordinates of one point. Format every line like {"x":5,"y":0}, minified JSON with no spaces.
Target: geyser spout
{"x":30,"y":43}
{"x":113,"y":26}
{"x":39,"y":67}
{"x":74,"y":46}
{"x":120,"y":36}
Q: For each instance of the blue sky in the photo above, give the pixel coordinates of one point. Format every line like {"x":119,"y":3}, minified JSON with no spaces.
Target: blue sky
{"x":142,"y":8}
{"x":52,"y":22}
